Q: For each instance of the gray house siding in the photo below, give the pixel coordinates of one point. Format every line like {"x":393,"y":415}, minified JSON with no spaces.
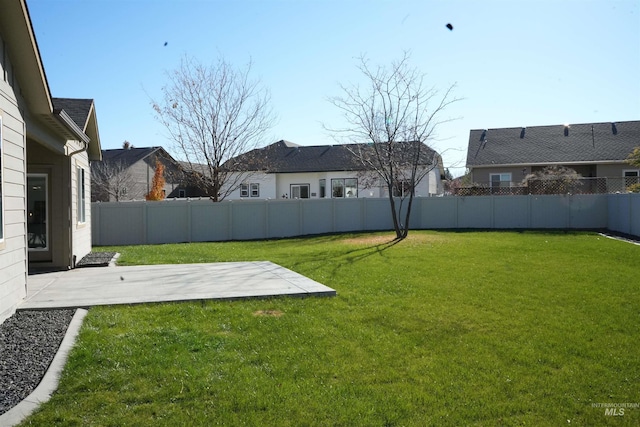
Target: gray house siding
{"x":615,"y":170}
{"x":38,"y":213}
{"x":136,"y":179}
{"x":13,"y":244}
{"x":142,"y":178}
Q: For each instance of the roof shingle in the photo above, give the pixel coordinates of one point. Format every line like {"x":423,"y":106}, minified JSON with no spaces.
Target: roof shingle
{"x":286,"y":157}
{"x":77,"y":109}
{"x":127,"y":156}
{"x":588,"y":142}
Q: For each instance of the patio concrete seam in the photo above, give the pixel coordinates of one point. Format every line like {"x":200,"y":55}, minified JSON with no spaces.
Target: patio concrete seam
{"x":49,"y":382}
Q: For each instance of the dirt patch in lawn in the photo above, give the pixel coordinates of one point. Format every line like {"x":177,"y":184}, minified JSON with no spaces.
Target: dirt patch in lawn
{"x":388,"y":239}
{"x":268,"y":313}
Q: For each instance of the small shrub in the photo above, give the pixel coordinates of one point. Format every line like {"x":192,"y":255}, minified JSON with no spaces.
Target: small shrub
{"x":634,"y":188}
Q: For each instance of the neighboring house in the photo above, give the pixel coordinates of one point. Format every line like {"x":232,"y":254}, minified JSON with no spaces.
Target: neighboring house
{"x":504,"y":157}
{"x":127,"y":174}
{"x":45,"y":147}
{"x":287,"y":170}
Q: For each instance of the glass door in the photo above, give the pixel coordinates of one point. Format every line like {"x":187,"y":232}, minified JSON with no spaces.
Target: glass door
{"x":37,"y":212}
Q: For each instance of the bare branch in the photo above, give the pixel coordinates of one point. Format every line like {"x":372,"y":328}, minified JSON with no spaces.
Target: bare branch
{"x":111,"y":180}
{"x":389,"y":124}
{"x":213,"y":114}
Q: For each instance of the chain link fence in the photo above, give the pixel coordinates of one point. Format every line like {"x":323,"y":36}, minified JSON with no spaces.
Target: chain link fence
{"x":554,"y":186}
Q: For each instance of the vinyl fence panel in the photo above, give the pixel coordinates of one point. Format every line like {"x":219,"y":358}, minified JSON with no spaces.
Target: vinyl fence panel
{"x":624,"y":213}
{"x":130,"y":223}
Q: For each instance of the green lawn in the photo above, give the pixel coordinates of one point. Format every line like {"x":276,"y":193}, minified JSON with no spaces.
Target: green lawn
{"x":493,"y":328}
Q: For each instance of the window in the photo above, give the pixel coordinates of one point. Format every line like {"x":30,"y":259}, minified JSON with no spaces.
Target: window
{"x":81,"y":196}
{"x":401,"y":188}
{"x":1,"y":187}
{"x":631,"y":176}
{"x":344,"y":187}
{"x":299,"y":191}
{"x":351,"y":187}
{"x":323,"y":188}
{"x":182,"y":194}
{"x":252,"y":189}
{"x":244,"y":190}
{"x":255,"y":189}
{"x":500,"y":180}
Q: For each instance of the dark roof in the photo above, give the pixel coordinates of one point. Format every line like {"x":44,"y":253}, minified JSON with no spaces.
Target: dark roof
{"x":588,"y":142}
{"x":77,"y":109}
{"x":287,"y":157}
{"x":128,"y":156}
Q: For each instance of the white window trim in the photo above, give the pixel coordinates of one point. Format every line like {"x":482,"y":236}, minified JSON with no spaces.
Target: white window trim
{"x":81,"y":197}
{"x":244,"y":190}
{"x":344,"y":188}
{"x":254,"y":186}
{"x":308,"y":186}
{"x":491,"y":175}
{"x":628,"y":180}
{"x":46,"y":213}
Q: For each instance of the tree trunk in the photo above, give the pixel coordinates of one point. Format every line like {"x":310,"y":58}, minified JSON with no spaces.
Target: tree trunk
{"x":394,"y":215}
{"x":405,"y":231}
{"x":216,"y":185}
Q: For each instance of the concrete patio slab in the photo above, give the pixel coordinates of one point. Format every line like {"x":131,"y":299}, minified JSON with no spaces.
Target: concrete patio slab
{"x":86,"y":287}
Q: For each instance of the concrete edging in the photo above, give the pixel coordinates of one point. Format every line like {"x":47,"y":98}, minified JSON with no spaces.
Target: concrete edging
{"x":49,"y":382}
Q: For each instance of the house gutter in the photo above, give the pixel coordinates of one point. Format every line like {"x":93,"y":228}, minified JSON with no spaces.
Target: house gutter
{"x":510,"y":165}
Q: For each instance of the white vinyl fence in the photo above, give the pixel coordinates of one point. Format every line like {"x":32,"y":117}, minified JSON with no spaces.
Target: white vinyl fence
{"x":174,"y":221}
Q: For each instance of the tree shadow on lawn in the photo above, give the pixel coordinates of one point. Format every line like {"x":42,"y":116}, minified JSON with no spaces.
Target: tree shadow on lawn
{"x":363,"y":248}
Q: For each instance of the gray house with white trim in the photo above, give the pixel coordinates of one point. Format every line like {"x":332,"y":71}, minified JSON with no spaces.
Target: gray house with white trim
{"x":504,"y":157}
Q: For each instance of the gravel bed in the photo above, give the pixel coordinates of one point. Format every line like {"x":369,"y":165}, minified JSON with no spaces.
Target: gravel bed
{"x":28,"y":342}
{"x":96,"y":259}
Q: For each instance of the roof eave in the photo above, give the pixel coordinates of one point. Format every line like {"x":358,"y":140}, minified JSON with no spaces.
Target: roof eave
{"x":91,"y":130}
{"x":31,"y":76}
{"x":66,"y":120}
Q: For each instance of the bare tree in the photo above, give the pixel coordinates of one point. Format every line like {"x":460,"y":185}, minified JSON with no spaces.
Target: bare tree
{"x":110,"y":180}
{"x":390,"y":120}
{"x":214,"y":114}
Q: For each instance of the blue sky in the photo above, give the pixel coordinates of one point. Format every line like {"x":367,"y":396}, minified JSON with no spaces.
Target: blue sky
{"x":516,"y":63}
